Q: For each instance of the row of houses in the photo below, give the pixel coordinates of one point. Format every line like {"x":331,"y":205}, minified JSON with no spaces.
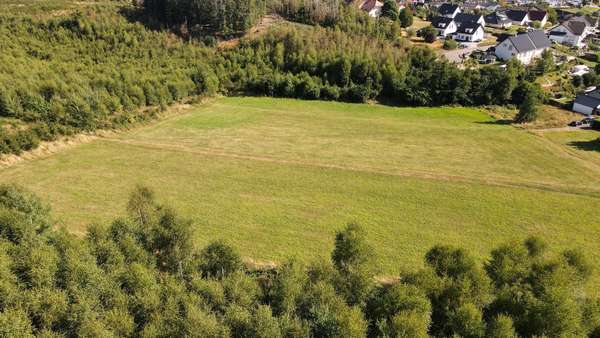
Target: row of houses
{"x":452,"y":22}
{"x":493,"y":5}
{"x":519,"y":17}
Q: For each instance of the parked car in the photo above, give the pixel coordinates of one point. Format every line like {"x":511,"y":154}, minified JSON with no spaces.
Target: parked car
{"x":588,"y":120}
{"x":575,"y":124}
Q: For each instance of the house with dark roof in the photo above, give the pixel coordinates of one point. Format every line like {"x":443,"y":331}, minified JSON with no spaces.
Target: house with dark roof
{"x":573,"y":31}
{"x":448,"y":10}
{"x":587,"y":103}
{"x":518,"y":16}
{"x":538,"y":15}
{"x":372,"y":7}
{"x":469,"y":31}
{"x":461,"y":18}
{"x":444,"y":25}
{"x":525,"y":47}
{"x":497,"y":20}
{"x":589,"y":22}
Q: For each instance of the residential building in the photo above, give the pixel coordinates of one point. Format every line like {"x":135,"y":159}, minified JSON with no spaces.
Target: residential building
{"x":538,"y":15}
{"x":573,"y":31}
{"x":498,"y":20}
{"x":590,"y":23}
{"x":518,"y":16}
{"x":372,"y":7}
{"x":461,"y":18}
{"x":570,"y":33}
{"x":525,"y":47}
{"x":449,"y":10}
{"x":587,"y":103}
{"x":556,"y":3}
{"x":444,"y":25}
{"x":469,"y":31}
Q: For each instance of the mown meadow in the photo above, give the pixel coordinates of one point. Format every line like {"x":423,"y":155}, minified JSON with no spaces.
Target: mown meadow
{"x":277,"y":178}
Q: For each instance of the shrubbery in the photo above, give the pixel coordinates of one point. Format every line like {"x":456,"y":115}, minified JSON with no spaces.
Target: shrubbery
{"x":450,"y":44}
{"x":143,"y":276}
{"x":81,"y":73}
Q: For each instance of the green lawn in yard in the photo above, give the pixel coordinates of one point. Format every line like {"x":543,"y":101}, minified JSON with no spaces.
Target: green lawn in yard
{"x":277,"y":178}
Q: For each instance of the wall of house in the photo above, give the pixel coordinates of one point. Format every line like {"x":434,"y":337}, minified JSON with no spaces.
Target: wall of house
{"x":477,"y":36}
{"x":579,"y":108}
{"x":503,"y":51}
{"x":449,"y":30}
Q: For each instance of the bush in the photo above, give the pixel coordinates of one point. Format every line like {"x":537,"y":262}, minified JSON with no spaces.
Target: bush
{"x":406,"y":17}
{"x":219,"y":260}
{"x":429,"y":34}
{"x":450,"y":44}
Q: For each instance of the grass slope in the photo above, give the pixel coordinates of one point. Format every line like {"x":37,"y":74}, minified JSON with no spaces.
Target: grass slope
{"x":277,"y":178}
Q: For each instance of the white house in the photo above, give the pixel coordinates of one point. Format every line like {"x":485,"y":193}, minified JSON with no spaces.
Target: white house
{"x":372,"y":7}
{"x":444,"y":25}
{"x":469,"y":31}
{"x":518,"y":16}
{"x":537,"y":15}
{"x":587,"y":103}
{"x":449,"y":10}
{"x":570,"y":32}
{"x":525,"y":47}
{"x":498,"y":20}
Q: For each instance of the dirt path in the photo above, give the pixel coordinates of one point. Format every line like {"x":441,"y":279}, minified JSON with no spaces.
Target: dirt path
{"x":265,"y":23}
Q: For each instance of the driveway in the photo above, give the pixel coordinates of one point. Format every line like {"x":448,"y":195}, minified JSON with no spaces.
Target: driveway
{"x":458,"y":54}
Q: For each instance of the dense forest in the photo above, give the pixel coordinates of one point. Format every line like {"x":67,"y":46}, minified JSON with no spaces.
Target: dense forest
{"x":107,"y":68}
{"x":143,"y":276}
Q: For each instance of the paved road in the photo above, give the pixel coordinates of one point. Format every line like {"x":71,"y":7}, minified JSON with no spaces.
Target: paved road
{"x":455,"y":55}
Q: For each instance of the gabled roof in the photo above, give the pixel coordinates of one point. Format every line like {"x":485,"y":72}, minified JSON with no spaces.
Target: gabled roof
{"x":575,"y":27}
{"x":441,"y":22}
{"x":537,"y":15}
{"x":447,"y":9}
{"x":587,"y":20}
{"x":464,"y":17}
{"x":529,"y":41}
{"x":539,"y":38}
{"x":369,"y":5}
{"x":468,"y":28}
{"x":496,"y":19}
{"x":594,"y":93}
{"x":588,"y":99}
{"x":516,"y":14}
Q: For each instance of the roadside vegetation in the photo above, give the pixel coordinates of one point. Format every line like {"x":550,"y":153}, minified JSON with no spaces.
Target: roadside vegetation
{"x":143,"y":275}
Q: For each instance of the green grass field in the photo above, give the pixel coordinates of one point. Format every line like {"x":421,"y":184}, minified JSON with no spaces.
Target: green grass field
{"x":277,"y":178}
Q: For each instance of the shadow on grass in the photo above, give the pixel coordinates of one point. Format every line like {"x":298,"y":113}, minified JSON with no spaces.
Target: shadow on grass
{"x":593,"y":145}
{"x":501,"y":122}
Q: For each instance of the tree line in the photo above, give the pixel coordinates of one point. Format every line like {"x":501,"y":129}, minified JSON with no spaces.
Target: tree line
{"x":329,"y":64}
{"x":143,"y":276}
{"x":96,"y":69}
{"x":228,"y":17}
